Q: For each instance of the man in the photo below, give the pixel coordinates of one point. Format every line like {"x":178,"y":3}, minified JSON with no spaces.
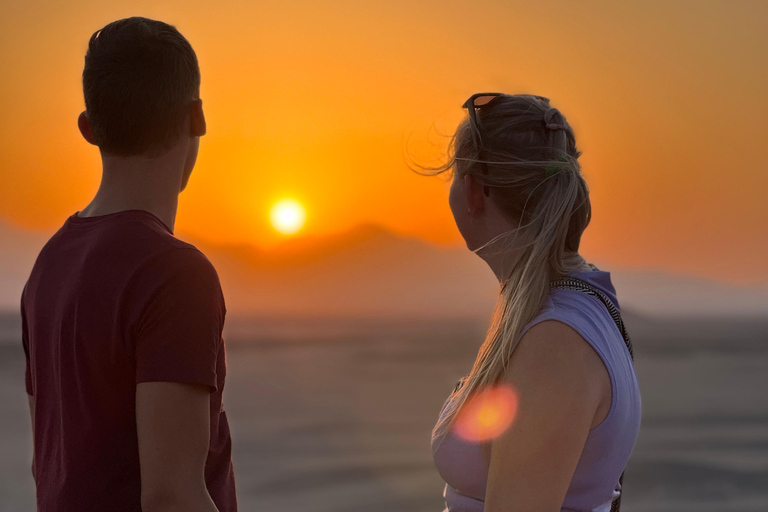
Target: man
{"x":122,"y":322}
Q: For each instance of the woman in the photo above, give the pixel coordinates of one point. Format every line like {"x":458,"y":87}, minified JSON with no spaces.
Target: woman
{"x":554,"y":362}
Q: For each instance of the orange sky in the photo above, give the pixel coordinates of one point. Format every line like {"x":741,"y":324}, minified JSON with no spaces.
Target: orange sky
{"x":316,"y":100}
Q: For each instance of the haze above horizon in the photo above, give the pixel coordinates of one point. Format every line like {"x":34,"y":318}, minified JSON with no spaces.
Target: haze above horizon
{"x":318,"y":101}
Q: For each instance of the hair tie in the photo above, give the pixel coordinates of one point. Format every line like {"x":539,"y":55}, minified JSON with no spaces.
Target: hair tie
{"x":553,"y":120}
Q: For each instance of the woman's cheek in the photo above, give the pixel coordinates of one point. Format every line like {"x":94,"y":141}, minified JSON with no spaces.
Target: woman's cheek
{"x":458,"y":204}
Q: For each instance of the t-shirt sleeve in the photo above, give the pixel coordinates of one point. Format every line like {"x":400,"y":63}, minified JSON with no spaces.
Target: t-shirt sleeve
{"x":179,"y":331}
{"x":25,"y":344}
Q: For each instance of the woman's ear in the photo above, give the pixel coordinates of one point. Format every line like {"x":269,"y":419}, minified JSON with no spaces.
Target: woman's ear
{"x":197,"y":124}
{"x":475,"y":195}
{"x":85,"y":128}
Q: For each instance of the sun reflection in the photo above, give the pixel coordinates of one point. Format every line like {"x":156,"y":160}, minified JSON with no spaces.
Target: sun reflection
{"x":487,"y":414}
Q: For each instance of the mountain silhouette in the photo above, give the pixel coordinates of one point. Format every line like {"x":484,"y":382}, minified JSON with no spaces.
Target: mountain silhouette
{"x":369,"y":271}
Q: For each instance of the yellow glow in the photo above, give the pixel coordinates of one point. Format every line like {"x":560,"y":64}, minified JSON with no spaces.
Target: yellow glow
{"x":287,"y":216}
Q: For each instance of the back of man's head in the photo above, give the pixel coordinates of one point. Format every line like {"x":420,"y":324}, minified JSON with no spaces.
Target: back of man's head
{"x":139,"y":80}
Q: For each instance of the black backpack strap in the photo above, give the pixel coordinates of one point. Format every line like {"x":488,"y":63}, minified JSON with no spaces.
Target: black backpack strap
{"x":572,"y":283}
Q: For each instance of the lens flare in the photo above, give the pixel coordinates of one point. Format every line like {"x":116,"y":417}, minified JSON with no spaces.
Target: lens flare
{"x":488,"y":414}
{"x":287,"y":216}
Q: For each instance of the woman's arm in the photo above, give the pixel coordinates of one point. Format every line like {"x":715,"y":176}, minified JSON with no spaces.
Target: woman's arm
{"x":564,"y":389}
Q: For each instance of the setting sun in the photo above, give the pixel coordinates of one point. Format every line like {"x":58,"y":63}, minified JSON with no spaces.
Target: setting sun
{"x":287,"y":216}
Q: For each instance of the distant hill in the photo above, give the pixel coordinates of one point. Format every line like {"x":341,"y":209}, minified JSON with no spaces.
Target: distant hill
{"x":369,"y":271}
{"x":662,"y":294}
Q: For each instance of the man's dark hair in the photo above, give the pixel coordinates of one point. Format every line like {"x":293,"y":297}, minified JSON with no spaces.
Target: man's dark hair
{"x":139,"y":79}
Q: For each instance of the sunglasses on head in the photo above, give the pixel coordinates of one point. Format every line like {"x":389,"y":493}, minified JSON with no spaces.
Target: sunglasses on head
{"x":473,"y":104}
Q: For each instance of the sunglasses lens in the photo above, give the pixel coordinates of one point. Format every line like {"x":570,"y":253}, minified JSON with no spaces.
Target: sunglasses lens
{"x":481,"y":101}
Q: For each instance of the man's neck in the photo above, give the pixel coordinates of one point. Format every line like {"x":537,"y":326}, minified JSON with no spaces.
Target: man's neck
{"x":138,"y":183}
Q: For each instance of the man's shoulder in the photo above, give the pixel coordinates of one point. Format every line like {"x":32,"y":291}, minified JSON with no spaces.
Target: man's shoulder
{"x":147,"y":239}
{"x":130,"y":233}
{"x":159,"y":242}
{"x":180,"y":273}
{"x":185,"y":258}
{"x":136,"y":244}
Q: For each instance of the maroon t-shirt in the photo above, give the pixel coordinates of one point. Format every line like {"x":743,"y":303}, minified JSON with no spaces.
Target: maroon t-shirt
{"x":113,"y":301}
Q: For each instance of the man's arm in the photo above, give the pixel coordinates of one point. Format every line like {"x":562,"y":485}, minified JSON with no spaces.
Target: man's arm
{"x":173,"y":424}
{"x":31,"y":400}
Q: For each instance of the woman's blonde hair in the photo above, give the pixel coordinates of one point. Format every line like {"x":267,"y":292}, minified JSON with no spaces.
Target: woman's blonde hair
{"x":529,"y":162}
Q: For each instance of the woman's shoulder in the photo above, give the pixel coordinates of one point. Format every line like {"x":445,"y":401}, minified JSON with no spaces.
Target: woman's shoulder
{"x":553,"y":337}
{"x":586,"y":315}
{"x":585,"y":312}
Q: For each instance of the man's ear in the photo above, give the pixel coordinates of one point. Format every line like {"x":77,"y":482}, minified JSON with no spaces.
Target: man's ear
{"x":85,"y":128}
{"x":197,"y":119}
{"x":475,"y":194}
